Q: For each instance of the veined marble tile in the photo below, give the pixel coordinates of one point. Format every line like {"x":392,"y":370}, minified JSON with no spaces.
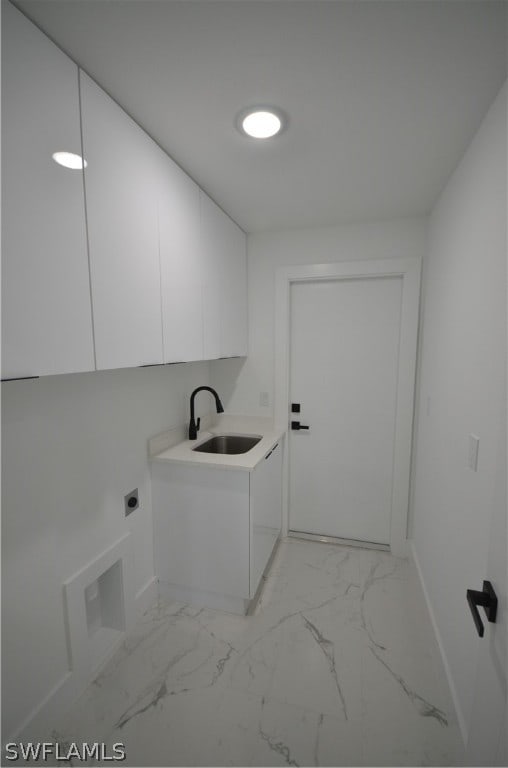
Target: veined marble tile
{"x":318,"y":666}
{"x":338,"y":743}
{"x":286,"y":735}
{"x":400,"y":726}
{"x":337,"y":666}
{"x":253,"y":730}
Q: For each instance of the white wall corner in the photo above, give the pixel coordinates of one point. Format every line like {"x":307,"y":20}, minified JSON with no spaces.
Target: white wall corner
{"x":458,"y":710}
{"x":146,"y":597}
{"x":401,"y":548}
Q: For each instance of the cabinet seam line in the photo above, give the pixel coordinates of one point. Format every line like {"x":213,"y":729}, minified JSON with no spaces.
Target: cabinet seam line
{"x":92,"y":315}
{"x":160,"y":284}
{"x":251,"y":532}
{"x":201,"y":281}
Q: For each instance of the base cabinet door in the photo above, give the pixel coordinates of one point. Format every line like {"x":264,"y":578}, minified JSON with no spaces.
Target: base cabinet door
{"x":265,"y":512}
{"x":46,"y":312}
{"x":201,"y":529}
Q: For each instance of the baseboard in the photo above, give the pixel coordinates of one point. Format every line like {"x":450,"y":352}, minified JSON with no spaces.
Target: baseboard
{"x":437,"y":634}
{"x":202,"y":599}
{"x":41,"y":720}
{"x":146,"y":597}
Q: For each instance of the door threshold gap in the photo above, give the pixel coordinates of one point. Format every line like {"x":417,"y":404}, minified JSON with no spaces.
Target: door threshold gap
{"x":338,"y":541}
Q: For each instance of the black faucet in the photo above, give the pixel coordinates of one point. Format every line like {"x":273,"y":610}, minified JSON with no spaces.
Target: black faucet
{"x":193,"y":427}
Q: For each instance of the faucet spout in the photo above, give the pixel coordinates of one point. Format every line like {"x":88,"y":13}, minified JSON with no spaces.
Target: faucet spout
{"x":193,"y":426}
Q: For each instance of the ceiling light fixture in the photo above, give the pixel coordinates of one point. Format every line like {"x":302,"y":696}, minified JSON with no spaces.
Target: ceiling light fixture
{"x":69,"y":160}
{"x":261,"y":122}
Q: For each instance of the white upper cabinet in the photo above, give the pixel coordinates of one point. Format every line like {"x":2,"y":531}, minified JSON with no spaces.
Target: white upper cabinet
{"x":181,"y":264}
{"x":124,"y":263}
{"x":121,"y":199}
{"x":46,"y":317}
{"x":224,"y":284}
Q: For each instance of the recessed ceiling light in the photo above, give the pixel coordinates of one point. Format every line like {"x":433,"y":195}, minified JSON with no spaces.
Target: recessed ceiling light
{"x":69,"y":160}
{"x":261,"y":122}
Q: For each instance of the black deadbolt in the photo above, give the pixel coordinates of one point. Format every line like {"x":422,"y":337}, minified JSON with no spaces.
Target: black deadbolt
{"x":486,"y":598}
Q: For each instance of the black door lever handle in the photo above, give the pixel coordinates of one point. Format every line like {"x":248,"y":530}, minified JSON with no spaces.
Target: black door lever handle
{"x":488,"y":599}
{"x":297,"y":425}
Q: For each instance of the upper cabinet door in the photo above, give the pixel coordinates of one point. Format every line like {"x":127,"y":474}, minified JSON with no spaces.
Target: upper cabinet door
{"x":234,"y":304}
{"x":181,"y":264}
{"x":46,"y":317}
{"x":224,"y":284}
{"x":121,"y":180}
{"x":213,"y":275}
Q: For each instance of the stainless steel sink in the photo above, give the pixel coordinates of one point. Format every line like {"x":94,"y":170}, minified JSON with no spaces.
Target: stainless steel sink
{"x":228,"y":444}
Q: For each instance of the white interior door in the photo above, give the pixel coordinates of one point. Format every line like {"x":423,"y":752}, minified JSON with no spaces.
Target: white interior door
{"x":488,"y":729}
{"x":344,"y":362}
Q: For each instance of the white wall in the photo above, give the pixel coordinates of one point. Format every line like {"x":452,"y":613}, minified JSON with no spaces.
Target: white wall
{"x":240,"y":382}
{"x":72,"y":447}
{"x":462,"y":391}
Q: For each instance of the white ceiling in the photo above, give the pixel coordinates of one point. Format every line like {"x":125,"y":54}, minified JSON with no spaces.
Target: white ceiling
{"x":383,"y":97}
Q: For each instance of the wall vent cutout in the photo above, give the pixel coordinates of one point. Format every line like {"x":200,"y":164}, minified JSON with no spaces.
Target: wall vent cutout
{"x":99,"y":609}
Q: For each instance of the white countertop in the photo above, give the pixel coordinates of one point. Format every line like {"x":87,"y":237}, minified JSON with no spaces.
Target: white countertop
{"x":226,"y":425}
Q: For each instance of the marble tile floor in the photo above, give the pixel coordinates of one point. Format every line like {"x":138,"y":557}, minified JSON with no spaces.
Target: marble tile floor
{"x":337,"y":666}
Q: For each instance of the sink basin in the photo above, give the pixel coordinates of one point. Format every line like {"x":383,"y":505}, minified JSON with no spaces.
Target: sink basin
{"x":230,"y":444}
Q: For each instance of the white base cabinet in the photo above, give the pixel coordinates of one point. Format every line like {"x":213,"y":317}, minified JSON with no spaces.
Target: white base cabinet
{"x":201,"y":528}
{"x":215,"y":530}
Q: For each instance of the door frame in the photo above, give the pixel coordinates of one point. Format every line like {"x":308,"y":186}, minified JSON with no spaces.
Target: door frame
{"x":408,"y":269}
